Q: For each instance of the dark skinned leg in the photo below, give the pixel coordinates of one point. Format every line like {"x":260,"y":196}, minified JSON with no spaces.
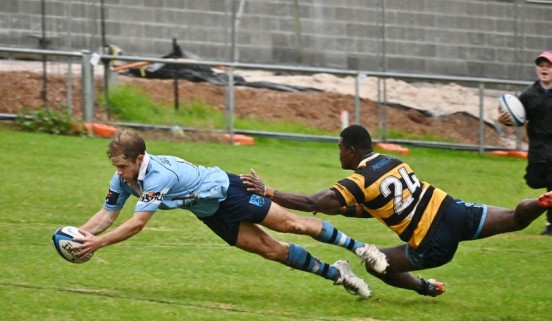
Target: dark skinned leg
{"x":502,"y":220}
{"x":398,"y":274}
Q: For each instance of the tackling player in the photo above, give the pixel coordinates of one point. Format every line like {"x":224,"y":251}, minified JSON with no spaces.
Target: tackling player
{"x":427,"y":219}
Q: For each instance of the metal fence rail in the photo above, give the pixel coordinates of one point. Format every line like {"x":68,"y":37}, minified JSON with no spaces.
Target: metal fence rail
{"x":87,"y":59}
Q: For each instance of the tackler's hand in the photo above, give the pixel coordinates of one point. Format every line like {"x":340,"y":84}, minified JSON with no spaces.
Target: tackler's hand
{"x":254,"y":182}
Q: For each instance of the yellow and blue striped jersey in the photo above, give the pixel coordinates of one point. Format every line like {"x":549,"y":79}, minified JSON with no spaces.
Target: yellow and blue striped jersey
{"x":389,"y":190}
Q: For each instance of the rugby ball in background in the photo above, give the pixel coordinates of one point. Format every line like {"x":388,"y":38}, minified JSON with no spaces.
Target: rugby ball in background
{"x":63,"y":242}
{"x":511,"y":104}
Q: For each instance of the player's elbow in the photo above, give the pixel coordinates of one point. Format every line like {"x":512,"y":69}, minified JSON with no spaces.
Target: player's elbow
{"x":138,"y":226}
{"x":139,"y":221}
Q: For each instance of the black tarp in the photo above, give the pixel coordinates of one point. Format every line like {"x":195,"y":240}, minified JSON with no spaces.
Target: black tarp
{"x":197,"y":73}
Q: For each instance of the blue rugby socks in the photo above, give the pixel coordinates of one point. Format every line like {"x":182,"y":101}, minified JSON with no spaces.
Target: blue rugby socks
{"x":301,"y":259}
{"x":331,"y":235}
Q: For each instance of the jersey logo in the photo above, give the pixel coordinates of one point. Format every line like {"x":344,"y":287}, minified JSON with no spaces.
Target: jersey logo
{"x":257,"y":200}
{"x":148,"y":197}
{"x":164,"y":161}
{"x":112,"y":198}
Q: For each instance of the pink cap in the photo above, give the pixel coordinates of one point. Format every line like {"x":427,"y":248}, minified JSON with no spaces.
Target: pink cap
{"x":547,"y":55}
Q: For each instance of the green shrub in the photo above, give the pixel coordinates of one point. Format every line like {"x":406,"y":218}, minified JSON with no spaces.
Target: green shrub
{"x":49,"y":121}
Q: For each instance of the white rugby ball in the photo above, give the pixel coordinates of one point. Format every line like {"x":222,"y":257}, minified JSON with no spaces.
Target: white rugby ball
{"x":511,"y":104}
{"x":63,"y":242}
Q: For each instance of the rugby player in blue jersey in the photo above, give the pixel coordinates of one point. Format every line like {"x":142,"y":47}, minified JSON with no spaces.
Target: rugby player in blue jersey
{"x":427,"y":219}
{"x":221,"y":201}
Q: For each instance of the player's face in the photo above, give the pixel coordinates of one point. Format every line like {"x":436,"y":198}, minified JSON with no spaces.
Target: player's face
{"x":344,"y":155}
{"x":126,"y":168}
{"x":544,"y":72}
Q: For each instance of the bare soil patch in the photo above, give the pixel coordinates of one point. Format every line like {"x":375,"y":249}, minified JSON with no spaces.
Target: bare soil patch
{"x":22,"y":89}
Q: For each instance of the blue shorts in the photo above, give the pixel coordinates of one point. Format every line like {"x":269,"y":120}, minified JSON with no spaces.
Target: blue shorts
{"x":460,"y":222}
{"x":239,"y":206}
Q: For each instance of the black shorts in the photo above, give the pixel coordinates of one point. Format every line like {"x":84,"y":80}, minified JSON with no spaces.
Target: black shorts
{"x":460,"y":222}
{"x":239,"y":206}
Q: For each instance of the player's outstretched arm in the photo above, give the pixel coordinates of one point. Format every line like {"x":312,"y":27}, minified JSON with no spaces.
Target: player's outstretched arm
{"x":100,"y":221}
{"x":131,"y":227}
{"x":355,"y":210}
{"x":324,"y":201}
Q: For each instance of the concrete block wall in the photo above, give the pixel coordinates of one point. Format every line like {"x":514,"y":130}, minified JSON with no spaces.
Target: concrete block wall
{"x":474,"y":38}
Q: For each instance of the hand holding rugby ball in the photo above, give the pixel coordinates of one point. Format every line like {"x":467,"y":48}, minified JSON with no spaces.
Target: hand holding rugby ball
{"x":64,"y":244}
{"x":510,"y":104}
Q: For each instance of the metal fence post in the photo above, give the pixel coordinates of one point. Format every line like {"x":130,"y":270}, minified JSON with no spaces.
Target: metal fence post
{"x":87,"y":87}
{"x":357,"y":98}
{"x":481,"y":119}
{"x":231,"y":106}
{"x":69,"y":83}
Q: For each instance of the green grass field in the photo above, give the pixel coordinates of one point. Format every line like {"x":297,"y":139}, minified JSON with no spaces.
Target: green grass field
{"x":176,"y":269}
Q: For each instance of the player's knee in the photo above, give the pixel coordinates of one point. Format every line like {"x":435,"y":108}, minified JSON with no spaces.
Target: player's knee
{"x":371,"y":270}
{"x":521,"y":224}
{"x":295,"y":226}
{"x":382,"y":276}
{"x":523,"y":216}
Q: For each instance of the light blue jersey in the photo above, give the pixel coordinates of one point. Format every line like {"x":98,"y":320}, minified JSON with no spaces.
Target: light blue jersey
{"x":168,"y":182}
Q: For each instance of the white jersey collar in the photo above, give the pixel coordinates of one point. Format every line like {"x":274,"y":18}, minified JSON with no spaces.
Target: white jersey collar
{"x":367,"y":159}
{"x":144,"y":167}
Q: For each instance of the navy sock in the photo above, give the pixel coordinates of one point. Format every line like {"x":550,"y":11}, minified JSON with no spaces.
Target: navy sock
{"x":301,"y":259}
{"x":330,"y":234}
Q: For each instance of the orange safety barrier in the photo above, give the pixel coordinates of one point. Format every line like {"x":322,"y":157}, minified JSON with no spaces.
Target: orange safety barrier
{"x":240,"y":139}
{"x":510,"y":153}
{"x":392,"y":148}
{"x":100,"y":130}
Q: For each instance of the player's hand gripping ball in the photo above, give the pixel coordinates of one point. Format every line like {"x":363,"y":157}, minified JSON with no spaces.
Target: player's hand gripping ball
{"x":64,"y":244}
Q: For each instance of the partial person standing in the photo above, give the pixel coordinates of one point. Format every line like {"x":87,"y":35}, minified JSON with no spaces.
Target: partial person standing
{"x":537,"y":100}
{"x":220,"y":200}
